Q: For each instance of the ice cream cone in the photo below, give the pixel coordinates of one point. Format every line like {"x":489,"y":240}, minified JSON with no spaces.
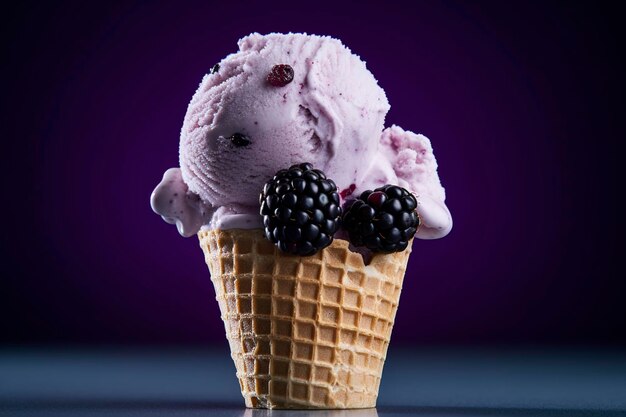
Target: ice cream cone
{"x":304,"y":332}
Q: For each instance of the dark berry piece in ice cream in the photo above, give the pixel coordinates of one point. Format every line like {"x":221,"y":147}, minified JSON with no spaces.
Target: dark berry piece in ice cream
{"x":215,"y":68}
{"x":300,"y":209}
{"x":280,"y":75}
{"x":383,"y":220}
{"x":239,"y":139}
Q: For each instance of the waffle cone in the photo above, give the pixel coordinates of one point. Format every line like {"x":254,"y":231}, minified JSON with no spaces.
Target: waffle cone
{"x":304,"y":332}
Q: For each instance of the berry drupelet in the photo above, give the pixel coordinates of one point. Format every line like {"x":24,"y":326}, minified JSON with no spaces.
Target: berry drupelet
{"x":301,"y":210}
{"x":383,"y":220}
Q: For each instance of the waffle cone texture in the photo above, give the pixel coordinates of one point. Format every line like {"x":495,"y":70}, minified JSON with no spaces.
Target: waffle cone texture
{"x":304,"y":332}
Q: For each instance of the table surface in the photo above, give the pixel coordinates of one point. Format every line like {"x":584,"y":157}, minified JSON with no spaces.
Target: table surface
{"x":421,"y":382}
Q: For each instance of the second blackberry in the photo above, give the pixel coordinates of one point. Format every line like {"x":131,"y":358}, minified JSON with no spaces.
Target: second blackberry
{"x":383,"y":220}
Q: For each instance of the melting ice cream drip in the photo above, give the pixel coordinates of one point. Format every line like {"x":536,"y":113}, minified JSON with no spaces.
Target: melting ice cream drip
{"x":173,"y":201}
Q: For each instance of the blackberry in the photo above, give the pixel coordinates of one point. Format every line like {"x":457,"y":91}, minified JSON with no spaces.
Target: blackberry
{"x":301,"y":209}
{"x":383,"y":220}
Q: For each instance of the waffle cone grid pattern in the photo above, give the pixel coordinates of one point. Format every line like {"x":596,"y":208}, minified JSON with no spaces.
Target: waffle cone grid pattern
{"x":304,"y":332}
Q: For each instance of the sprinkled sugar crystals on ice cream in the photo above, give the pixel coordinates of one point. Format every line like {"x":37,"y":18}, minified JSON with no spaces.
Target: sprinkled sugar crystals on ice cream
{"x":306,"y":208}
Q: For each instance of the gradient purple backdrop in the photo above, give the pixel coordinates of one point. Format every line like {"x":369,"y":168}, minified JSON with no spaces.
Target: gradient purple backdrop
{"x":524,"y":106}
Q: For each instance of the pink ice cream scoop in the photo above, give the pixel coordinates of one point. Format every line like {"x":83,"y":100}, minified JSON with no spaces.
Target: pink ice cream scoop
{"x":283,"y":99}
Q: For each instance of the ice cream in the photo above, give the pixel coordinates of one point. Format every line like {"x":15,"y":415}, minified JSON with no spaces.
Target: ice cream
{"x":305,"y":207}
{"x":331,"y":114}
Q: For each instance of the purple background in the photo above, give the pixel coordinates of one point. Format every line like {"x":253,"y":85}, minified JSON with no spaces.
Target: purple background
{"x":524,"y":105}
